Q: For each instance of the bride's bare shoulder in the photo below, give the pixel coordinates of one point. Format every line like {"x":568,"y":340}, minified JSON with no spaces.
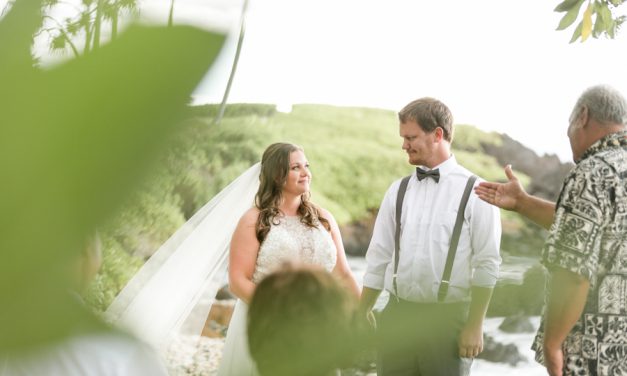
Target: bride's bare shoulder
{"x":250,"y":216}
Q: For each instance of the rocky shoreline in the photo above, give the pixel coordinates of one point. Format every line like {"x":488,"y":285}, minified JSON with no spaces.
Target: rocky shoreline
{"x":506,"y":341}
{"x":195,"y":356}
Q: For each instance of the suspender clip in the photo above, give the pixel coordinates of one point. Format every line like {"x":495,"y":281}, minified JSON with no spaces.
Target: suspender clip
{"x":395,"y":287}
{"x":443,"y":290}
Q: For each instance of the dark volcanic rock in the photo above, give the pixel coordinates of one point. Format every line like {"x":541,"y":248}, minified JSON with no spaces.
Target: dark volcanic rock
{"x":496,"y":352}
{"x":517,"y":324}
{"x":547,"y":172}
{"x":526,"y":298}
{"x":225,"y":294}
{"x":356,"y":235}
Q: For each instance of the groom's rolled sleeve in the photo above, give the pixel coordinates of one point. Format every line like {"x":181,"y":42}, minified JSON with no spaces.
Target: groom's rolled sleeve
{"x":485,"y":240}
{"x":374,"y":277}
{"x":381,"y":248}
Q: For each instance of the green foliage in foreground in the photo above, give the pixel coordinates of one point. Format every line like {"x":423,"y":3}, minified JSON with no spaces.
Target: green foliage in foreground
{"x":355,"y":154}
{"x":98,"y":123}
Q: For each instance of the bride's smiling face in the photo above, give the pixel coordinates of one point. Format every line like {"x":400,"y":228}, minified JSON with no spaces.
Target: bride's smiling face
{"x":298,"y":176}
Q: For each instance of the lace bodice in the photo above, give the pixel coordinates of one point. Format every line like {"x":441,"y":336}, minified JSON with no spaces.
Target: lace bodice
{"x":292,"y":240}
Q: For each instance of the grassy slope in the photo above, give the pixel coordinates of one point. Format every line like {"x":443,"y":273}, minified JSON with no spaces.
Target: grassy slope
{"x":355,"y":153}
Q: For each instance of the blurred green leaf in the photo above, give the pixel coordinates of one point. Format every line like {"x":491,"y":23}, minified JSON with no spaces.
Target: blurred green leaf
{"x":602,"y":19}
{"x":16,"y":33}
{"x":74,"y":140}
{"x":576,"y":33}
{"x":570,"y":16}
{"x":599,"y":27}
{"x":611,"y":29}
{"x":604,"y":12}
{"x":605,"y":22}
{"x":565,"y":5}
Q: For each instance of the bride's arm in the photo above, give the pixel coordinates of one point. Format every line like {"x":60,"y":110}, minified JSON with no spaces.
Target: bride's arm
{"x":341,"y":267}
{"x":243,"y":256}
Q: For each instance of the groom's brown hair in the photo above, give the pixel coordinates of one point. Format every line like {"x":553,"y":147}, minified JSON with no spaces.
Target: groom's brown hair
{"x":429,"y":114}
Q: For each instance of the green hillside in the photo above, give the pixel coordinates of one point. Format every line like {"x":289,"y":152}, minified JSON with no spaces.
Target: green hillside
{"x":355,"y":153}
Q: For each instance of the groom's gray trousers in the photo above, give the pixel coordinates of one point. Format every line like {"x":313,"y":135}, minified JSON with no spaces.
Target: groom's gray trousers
{"x":421,"y":339}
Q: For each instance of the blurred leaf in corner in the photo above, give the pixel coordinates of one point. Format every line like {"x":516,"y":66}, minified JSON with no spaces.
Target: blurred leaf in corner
{"x":586,"y":29}
{"x":577,"y":32}
{"x":606,"y":20}
{"x":74,"y":140}
{"x":571,"y":15}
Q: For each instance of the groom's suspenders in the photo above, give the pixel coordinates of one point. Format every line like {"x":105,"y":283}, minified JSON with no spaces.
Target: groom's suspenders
{"x":459,"y":221}
{"x":397,"y":235}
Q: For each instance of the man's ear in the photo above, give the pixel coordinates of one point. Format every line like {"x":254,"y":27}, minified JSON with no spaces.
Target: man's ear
{"x":584,"y":116}
{"x":439,"y":134}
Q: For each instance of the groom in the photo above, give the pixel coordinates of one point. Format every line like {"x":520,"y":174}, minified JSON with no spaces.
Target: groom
{"x":433,"y":321}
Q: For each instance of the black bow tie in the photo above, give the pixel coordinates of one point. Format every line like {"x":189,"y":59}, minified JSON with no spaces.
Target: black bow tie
{"x":434,"y":174}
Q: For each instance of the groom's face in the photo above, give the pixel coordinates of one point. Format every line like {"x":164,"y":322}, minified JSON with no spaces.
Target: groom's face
{"x":418,"y":144}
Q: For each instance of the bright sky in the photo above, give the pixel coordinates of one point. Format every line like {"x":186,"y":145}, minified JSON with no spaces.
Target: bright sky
{"x":499,"y":65}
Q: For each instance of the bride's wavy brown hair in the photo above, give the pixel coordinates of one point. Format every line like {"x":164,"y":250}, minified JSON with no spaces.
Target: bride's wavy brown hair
{"x":275,"y":166}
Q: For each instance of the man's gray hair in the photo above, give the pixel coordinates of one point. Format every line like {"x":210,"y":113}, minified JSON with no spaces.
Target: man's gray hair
{"x":604,"y":103}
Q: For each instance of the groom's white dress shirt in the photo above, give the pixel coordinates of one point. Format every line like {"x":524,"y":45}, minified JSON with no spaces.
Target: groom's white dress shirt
{"x":427,"y":222}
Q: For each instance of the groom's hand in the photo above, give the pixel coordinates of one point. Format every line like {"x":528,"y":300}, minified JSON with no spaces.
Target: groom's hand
{"x":471,"y":341}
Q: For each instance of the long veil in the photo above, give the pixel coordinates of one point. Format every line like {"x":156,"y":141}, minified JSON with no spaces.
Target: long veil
{"x":173,"y":292}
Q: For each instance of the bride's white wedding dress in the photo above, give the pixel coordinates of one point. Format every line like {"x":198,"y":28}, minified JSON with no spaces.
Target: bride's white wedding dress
{"x":290,"y":240}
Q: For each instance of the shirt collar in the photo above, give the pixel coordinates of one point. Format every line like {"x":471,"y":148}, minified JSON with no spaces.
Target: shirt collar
{"x":612,"y":140}
{"x":445,"y":167}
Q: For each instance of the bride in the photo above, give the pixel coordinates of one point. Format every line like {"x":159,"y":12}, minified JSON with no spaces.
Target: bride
{"x":282,"y":226}
{"x":171,"y":295}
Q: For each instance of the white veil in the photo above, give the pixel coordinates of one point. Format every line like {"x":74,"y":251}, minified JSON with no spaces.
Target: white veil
{"x":173,"y":292}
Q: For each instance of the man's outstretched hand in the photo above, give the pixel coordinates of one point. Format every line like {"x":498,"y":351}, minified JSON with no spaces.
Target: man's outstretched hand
{"x":504,"y":195}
